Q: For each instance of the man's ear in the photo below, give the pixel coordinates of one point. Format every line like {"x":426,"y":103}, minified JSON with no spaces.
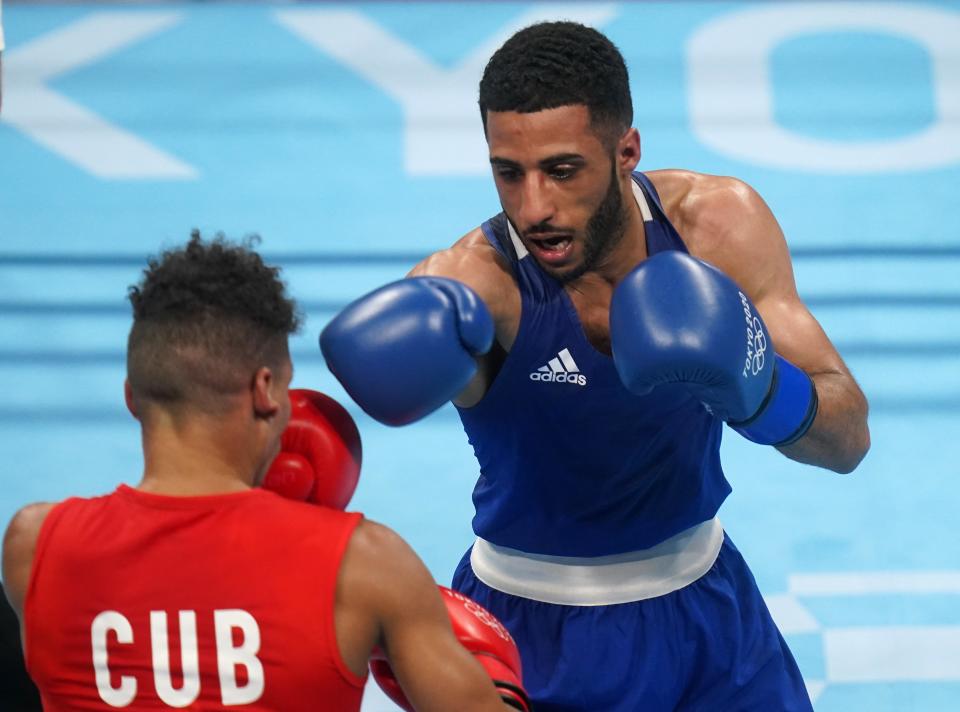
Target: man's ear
{"x":628,"y":151}
{"x":128,"y":398}
{"x":265,"y":405}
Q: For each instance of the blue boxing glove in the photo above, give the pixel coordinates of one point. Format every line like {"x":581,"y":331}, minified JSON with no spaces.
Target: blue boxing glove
{"x":675,"y":319}
{"x":407,"y":348}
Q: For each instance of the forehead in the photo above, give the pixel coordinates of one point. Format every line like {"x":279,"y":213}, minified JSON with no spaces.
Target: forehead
{"x":535,"y":135}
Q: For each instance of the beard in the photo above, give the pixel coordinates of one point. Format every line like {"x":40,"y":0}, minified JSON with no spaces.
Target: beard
{"x":604,"y":231}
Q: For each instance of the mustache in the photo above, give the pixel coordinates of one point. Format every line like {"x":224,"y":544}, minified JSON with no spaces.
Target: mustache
{"x":547,"y":229}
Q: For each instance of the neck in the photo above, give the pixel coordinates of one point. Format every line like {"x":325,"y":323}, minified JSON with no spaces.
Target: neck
{"x":199,"y":455}
{"x":628,"y":252}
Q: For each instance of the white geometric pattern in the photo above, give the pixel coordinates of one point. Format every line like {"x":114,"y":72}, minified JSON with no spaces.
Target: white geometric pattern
{"x":873,"y":653}
{"x":563,"y":362}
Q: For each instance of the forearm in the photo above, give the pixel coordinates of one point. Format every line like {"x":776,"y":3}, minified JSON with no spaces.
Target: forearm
{"x":839,"y":437}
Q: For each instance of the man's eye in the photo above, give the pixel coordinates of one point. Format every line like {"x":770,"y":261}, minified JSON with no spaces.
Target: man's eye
{"x":508,"y":174}
{"x":562,"y":172}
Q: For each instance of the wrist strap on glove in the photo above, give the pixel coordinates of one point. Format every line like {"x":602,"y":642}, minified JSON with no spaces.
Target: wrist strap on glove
{"x":787,"y":412}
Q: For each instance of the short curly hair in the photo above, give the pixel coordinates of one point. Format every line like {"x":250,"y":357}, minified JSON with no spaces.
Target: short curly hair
{"x":553,"y":64}
{"x":206,"y":316}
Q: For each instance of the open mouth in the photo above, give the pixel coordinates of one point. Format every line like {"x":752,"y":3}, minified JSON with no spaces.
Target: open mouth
{"x":552,"y":248}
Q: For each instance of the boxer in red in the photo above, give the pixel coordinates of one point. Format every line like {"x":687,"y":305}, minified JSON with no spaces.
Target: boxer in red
{"x":198,"y":589}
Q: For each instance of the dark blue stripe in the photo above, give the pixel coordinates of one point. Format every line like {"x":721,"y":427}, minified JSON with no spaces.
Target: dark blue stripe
{"x":107,"y":357}
{"x":825,"y":301}
{"x":120,"y":308}
{"x":881,"y":300}
{"x":87,"y":259}
{"x":80,"y":309}
{"x":875,"y":251}
{"x":140,"y":260}
{"x":888,"y":349}
{"x":903,"y":405}
{"x":117,"y":414}
{"x":65,"y":415}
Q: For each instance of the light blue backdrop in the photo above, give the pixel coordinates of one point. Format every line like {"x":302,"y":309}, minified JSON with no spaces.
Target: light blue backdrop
{"x":347,"y":136}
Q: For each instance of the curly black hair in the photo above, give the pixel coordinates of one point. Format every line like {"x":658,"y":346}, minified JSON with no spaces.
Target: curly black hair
{"x":554,"y":64}
{"x":205,"y":317}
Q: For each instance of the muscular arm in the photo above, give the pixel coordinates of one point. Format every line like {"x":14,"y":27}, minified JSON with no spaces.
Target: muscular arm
{"x":473,"y":261}
{"x":19,"y":545}
{"x":386,"y":596}
{"x":735,"y":230}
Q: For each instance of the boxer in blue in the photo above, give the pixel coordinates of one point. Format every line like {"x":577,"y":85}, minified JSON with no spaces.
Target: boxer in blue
{"x":594,"y":354}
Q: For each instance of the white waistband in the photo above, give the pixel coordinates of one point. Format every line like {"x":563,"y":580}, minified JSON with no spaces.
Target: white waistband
{"x":602,"y":580}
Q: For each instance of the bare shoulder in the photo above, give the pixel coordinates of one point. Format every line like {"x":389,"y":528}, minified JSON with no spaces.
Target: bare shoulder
{"x":475,"y":262}
{"x":19,"y":545}
{"x":375,"y":553}
{"x":471,"y":252}
{"x":725,"y":222}
{"x":712,"y":212}
{"x":372,"y":541}
{"x":25,"y":525}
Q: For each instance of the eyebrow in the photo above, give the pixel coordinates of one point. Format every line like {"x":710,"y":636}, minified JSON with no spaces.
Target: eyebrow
{"x":543,"y":163}
{"x":497,"y":161}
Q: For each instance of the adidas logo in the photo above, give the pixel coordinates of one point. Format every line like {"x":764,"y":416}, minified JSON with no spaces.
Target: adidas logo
{"x":562,"y":369}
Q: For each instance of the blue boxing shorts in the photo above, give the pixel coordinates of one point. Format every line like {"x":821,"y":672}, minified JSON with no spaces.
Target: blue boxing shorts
{"x":681,"y":626}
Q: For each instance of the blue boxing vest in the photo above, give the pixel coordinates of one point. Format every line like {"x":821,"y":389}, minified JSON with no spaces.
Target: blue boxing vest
{"x":571,"y":462}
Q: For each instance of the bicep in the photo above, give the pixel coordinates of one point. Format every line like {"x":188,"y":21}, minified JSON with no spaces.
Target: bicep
{"x":770,"y":283}
{"x":434,"y":670}
{"x":797,"y":335}
{"x":753,"y":251}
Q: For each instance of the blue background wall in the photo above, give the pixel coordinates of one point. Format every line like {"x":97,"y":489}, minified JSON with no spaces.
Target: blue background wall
{"x":347,"y":136}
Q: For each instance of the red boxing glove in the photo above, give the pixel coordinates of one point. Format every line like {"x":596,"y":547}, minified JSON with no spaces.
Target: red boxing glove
{"x":479,"y":631}
{"x":383,"y":674}
{"x":320,"y":452}
{"x":484,"y":636}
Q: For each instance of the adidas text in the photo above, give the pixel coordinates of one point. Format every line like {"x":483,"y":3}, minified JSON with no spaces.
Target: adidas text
{"x":575,"y":378}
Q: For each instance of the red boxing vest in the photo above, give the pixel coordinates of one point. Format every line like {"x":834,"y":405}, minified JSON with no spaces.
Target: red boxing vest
{"x":205,"y":603}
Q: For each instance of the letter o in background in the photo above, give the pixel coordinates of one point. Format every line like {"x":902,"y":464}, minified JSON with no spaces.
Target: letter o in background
{"x":731,"y":102}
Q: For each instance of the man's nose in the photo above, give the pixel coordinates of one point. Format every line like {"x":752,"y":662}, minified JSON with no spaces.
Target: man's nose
{"x":536,"y":202}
